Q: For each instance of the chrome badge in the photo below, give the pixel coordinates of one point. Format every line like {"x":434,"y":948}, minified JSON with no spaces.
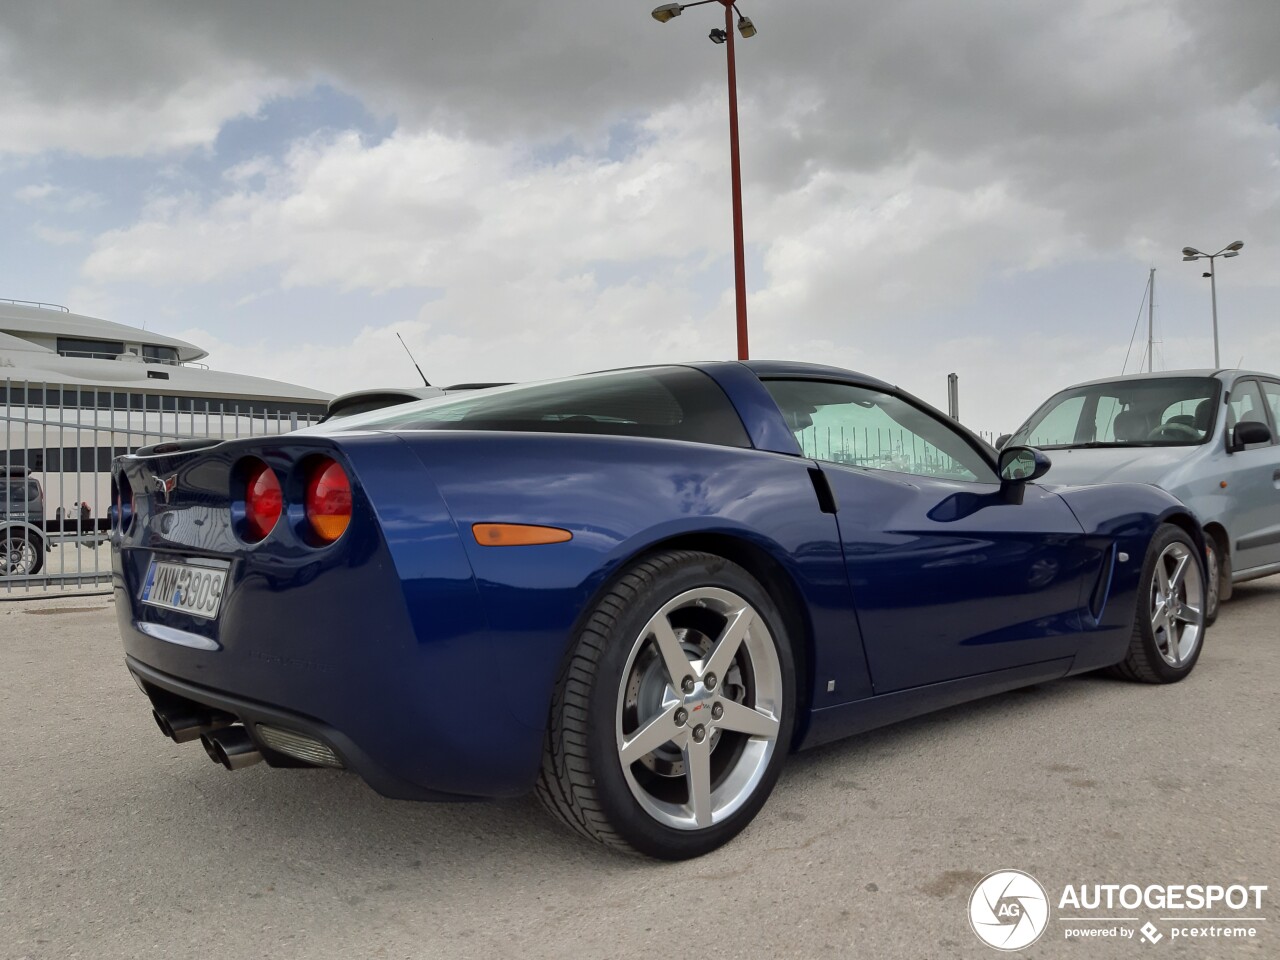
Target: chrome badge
{"x":165,"y":486}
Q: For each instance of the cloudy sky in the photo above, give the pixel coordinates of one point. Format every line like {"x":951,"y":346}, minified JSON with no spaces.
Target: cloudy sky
{"x":525,"y":190}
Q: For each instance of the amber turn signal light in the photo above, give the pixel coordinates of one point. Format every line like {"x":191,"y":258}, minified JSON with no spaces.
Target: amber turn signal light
{"x":516,"y":534}
{"x":328,"y":500}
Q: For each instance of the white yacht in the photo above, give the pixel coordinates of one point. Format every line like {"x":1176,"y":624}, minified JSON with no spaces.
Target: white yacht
{"x":47,"y":344}
{"x":76,"y":392}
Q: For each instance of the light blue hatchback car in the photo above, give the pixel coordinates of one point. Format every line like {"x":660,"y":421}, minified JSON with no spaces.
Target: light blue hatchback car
{"x":1209,"y":437}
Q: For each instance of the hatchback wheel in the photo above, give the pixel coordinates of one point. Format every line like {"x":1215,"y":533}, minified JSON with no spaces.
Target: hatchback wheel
{"x":675,"y":710}
{"x":19,"y":556}
{"x":1169,"y":625}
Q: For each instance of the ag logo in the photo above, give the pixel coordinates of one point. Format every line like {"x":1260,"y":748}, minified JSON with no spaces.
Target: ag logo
{"x":1008,"y":910}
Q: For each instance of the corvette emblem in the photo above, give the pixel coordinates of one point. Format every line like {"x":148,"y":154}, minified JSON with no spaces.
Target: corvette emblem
{"x":165,"y":485}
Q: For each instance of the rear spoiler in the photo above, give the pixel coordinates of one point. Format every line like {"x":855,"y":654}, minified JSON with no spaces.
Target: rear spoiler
{"x":177,"y":446}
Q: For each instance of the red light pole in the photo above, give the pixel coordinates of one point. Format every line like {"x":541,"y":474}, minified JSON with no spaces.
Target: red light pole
{"x":662,"y":14}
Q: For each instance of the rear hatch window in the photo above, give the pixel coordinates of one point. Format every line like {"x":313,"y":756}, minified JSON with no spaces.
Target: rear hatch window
{"x":21,"y":491}
{"x":667,"y":403}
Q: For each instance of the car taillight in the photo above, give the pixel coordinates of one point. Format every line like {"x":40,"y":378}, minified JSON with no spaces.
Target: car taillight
{"x":328,"y":500}
{"x":263,"y":502}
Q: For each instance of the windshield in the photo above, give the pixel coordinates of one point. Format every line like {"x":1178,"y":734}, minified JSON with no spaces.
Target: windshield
{"x":1164,"y":412}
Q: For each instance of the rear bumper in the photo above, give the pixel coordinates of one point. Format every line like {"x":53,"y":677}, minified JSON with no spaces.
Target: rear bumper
{"x":160,"y":686}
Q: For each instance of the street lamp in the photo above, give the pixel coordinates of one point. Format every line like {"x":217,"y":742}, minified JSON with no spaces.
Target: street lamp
{"x":748,"y":29}
{"x":1230,"y":250}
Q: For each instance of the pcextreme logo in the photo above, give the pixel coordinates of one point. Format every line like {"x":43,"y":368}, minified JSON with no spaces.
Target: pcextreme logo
{"x":1010,"y":910}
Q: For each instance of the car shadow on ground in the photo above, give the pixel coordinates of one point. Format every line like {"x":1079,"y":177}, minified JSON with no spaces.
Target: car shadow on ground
{"x":333,"y":817}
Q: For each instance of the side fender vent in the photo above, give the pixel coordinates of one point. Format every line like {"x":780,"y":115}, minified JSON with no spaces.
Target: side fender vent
{"x":1102,"y":589}
{"x":826,"y":496}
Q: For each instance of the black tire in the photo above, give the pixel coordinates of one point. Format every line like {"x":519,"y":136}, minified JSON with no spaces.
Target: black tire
{"x":1215,"y":571}
{"x":1144,"y":661}
{"x":38,"y":546}
{"x":583,"y":781}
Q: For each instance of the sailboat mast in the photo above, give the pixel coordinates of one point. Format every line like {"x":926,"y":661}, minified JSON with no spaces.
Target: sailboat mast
{"x":1151,"y":322}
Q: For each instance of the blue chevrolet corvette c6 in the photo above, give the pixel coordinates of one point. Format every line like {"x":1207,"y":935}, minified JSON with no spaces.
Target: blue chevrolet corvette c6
{"x":634,"y":592}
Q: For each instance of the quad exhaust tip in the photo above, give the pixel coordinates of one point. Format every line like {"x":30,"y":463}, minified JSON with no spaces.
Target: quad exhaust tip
{"x":183,"y":726}
{"x":231,"y":746}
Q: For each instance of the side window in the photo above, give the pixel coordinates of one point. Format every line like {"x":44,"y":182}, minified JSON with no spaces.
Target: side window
{"x":1104,"y":419}
{"x":1272,"y":391}
{"x":861,"y":427}
{"x":1246,"y":403}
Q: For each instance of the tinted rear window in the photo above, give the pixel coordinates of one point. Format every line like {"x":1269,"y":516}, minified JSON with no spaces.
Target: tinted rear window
{"x":666,"y":403}
{"x":19,"y":490}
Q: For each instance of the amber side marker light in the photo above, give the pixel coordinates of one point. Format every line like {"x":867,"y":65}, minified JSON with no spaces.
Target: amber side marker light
{"x":516,"y":534}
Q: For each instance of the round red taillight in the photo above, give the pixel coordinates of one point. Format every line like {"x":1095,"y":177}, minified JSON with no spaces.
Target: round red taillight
{"x":328,"y":501}
{"x":263,"y":502}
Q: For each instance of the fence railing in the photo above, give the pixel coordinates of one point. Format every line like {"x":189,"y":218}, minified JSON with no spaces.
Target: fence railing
{"x":883,"y":448}
{"x":56,"y":447}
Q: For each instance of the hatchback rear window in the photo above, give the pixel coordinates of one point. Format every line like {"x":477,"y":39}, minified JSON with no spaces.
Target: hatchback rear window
{"x":667,"y":403}
{"x":20,"y":490}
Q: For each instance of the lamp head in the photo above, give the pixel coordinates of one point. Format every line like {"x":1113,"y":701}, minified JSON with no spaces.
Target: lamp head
{"x":665,"y":12}
{"x":718,"y":36}
{"x":1206,"y":274}
{"x":1189,"y":252}
{"x":1231,"y":253}
{"x":1237,"y":246}
{"x":746,"y":27}
{"x":1189,"y":258}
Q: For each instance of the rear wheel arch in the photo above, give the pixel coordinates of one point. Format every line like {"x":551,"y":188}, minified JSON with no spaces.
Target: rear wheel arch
{"x":766,"y":569}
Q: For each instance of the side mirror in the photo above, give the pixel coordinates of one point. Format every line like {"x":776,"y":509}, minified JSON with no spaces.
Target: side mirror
{"x":1018,"y":467}
{"x":1247,"y":432}
{"x":1002,"y":440}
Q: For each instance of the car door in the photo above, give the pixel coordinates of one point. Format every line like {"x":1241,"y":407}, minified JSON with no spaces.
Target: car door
{"x":1253,"y":480}
{"x":949,"y":578}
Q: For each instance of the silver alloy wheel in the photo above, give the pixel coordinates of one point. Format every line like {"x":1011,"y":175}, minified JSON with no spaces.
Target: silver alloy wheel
{"x":1177,"y":604}
{"x":710,"y":704}
{"x":19,"y":556}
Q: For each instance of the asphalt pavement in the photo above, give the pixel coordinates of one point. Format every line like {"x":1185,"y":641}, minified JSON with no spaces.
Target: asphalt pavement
{"x":115,"y":842}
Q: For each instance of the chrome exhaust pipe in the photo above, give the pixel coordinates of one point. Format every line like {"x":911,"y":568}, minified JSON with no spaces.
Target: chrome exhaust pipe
{"x":231,"y":746}
{"x":182,"y":726}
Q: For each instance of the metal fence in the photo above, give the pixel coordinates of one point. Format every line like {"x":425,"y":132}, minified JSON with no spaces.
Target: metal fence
{"x":882,"y":448}
{"x":56,"y":447}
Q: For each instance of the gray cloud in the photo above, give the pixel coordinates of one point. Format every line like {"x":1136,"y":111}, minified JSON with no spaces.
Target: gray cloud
{"x":897,"y":155}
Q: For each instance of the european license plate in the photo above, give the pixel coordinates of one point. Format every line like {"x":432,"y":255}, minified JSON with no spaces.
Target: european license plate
{"x":189,"y":586}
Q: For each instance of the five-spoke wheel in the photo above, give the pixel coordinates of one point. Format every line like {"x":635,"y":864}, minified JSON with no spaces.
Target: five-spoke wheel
{"x":1169,"y":625}
{"x":675,"y":710}
{"x":698,"y":707}
{"x":1177,"y":603}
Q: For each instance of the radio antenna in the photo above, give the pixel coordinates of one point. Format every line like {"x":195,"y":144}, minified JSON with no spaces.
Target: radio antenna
{"x":425,"y":381}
